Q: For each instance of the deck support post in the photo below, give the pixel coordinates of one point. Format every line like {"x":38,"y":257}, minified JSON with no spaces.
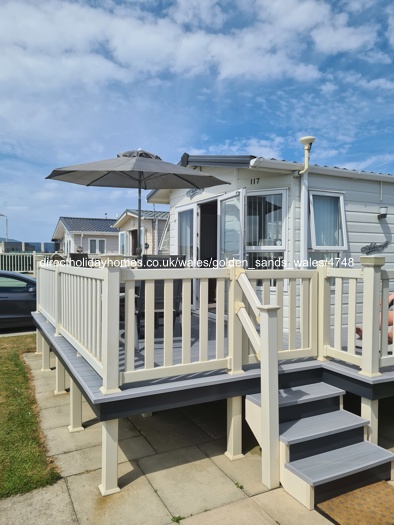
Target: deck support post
{"x":60,"y":378}
{"x":370,"y":411}
{"x":75,"y":408}
{"x":46,"y":355}
{"x":234,"y":428}
{"x":269,"y":396}
{"x":372,"y":269}
{"x":39,"y":339}
{"x":109,"y":473}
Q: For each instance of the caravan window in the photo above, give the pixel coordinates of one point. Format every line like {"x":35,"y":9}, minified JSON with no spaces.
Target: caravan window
{"x":327,"y":220}
{"x":185,"y":234}
{"x":265,"y":238}
{"x":96,"y":245}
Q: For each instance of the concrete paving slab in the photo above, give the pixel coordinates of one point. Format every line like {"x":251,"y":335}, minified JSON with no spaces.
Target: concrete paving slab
{"x":47,"y":399}
{"x":244,"y":512}
{"x":88,"y":459}
{"x":44,"y":381}
{"x":169,"y":430}
{"x":136,"y":504}
{"x":60,"y":416}
{"x":188,"y":482}
{"x":59,"y":440}
{"x":33,"y":360}
{"x":246,"y":471}
{"x":284,"y":509}
{"x":42,"y":506}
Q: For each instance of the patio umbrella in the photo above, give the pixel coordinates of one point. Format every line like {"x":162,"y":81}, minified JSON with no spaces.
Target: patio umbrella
{"x":135,"y":169}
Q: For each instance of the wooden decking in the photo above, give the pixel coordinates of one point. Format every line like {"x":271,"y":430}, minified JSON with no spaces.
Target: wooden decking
{"x":146,"y":396}
{"x":177,"y":391}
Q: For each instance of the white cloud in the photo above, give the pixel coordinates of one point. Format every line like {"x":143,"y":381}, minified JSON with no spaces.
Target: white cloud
{"x":268,"y":148}
{"x":196,"y":13}
{"x":336,"y":36}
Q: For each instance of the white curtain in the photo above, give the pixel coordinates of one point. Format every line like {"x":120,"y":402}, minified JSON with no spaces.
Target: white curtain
{"x":185,"y":234}
{"x":326,"y":210}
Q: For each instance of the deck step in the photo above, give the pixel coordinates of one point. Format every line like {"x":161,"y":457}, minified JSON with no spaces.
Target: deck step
{"x":336,"y":464}
{"x":301,"y":394}
{"x":322,"y":425}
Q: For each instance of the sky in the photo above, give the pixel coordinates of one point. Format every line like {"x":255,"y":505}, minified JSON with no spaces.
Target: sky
{"x":83,"y":80}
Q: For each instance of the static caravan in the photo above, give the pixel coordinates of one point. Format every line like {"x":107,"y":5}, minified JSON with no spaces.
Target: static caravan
{"x":152,"y":225}
{"x":271,"y":215}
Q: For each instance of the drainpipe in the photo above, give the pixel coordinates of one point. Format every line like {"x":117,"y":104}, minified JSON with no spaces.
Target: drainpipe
{"x":307,"y":143}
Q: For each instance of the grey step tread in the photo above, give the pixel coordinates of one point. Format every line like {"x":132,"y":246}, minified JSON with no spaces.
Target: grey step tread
{"x":336,"y":464}
{"x":301,"y":394}
{"x":314,"y":427}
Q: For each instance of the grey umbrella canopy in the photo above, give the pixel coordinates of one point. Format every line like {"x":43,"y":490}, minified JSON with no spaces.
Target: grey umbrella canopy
{"x":135,"y":169}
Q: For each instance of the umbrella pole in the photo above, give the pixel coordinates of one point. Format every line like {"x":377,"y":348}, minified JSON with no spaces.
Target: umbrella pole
{"x":139,"y":249}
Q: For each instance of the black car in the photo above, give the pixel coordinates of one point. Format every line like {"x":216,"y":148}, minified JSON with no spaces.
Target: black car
{"x":17,"y":300}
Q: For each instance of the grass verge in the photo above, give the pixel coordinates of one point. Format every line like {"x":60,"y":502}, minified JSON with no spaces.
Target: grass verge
{"x":23,"y":462}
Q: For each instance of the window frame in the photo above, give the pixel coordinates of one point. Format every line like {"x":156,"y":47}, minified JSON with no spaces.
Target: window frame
{"x":269,"y":247}
{"x":97,"y":241}
{"x":332,"y":248}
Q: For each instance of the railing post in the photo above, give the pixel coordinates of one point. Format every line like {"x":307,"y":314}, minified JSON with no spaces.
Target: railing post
{"x":110,"y":331}
{"x":58,"y":300}
{"x":234,"y":324}
{"x":372,"y":268}
{"x":269,"y":396}
{"x":323,"y":312}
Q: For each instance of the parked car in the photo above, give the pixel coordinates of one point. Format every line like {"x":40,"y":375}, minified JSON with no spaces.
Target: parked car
{"x":17,"y":300}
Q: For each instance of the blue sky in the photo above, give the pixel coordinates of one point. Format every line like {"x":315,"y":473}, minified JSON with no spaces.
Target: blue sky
{"x":82,"y":80}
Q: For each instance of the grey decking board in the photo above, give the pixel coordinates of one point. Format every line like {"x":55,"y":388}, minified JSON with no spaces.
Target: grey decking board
{"x":306,"y":393}
{"x":345,"y":461}
{"x":302,"y":394}
{"x":313,"y":427}
{"x":352,"y":371}
{"x":296,"y":365}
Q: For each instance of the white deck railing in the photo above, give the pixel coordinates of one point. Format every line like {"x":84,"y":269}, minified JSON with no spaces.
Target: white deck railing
{"x":350,"y":298}
{"x":316,"y":314}
{"x":17,"y":262}
{"x":171,"y":356}
{"x":295,"y":292}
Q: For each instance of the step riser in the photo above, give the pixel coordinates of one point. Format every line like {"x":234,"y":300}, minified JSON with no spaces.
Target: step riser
{"x":312,"y":408}
{"x":325,"y":444}
{"x":353,"y":482}
{"x":292,"y":379}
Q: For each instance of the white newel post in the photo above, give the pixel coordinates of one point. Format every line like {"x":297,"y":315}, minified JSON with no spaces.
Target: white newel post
{"x":269,"y":396}
{"x":234,"y":324}
{"x":372,"y":267}
{"x":324,"y":312}
{"x":110,"y":331}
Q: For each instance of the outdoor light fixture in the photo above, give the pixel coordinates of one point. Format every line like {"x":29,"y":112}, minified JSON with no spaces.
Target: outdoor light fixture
{"x":383,"y":212}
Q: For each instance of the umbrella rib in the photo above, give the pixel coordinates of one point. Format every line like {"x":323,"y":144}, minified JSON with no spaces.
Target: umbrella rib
{"x":158,"y":174}
{"x":119,"y":173}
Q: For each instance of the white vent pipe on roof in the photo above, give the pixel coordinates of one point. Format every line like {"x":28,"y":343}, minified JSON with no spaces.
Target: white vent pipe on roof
{"x":307,"y":143}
